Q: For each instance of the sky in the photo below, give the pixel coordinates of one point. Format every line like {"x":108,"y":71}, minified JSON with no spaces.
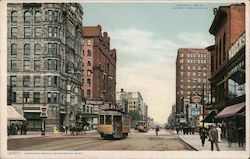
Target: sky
{"x":146,"y":37}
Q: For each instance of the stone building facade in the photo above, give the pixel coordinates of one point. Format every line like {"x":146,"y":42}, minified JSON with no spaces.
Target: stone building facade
{"x":45,"y":61}
{"x":99,"y":67}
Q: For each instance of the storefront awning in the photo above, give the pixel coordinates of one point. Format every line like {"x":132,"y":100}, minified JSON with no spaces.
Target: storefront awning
{"x":231,"y":110}
{"x":13,"y":115}
{"x":210,"y":117}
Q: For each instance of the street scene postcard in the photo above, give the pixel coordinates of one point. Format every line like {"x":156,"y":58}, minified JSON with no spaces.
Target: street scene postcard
{"x":124,"y":79}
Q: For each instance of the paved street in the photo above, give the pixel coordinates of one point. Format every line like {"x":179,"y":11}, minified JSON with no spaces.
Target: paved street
{"x":166,"y":141}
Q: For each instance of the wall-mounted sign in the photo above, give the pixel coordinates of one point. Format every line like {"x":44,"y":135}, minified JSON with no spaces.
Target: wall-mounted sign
{"x":196,"y":99}
{"x":240,"y":43}
{"x":94,"y":102}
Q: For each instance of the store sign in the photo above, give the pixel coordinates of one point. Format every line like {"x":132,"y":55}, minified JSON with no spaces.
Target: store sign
{"x":196,"y":99}
{"x":239,"y":44}
{"x":194,"y":111}
{"x":94,"y":102}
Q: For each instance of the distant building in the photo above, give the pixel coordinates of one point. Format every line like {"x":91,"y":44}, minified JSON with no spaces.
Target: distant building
{"x":99,"y":67}
{"x":45,"y":61}
{"x":122,"y":100}
{"x":228,"y":79}
{"x":193,"y":69}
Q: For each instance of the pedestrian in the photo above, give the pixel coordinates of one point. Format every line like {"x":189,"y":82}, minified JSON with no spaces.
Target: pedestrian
{"x":203,"y":136}
{"x":66,"y":129}
{"x":177,"y":130}
{"x":157,"y":129}
{"x":213,"y":137}
{"x":230,"y":134}
{"x":240,"y":136}
{"x":219,"y":133}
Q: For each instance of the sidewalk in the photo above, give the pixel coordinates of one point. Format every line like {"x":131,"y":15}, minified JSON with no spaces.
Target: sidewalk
{"x":195,"y":141}
{"x":37,"y":134}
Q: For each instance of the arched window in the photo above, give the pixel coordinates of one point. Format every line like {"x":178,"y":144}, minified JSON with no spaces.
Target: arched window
{"x":14,"y":16}
{"x":37,"y":49}
{"x":26,"y":49}
{"x":13,"y":49}
{"x":27,"y":17}
{"x":38,"y":16}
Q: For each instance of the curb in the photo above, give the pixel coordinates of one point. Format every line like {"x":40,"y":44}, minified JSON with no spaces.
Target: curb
{"x":184,"y":142}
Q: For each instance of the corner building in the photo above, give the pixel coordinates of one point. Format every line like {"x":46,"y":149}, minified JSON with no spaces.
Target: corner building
{"x":99,"y":67}
{"x":228,"y":66}
{"x":45,"y":61}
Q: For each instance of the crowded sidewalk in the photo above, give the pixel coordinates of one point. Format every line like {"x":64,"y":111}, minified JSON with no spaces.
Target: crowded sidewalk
{"x":195,"y":141}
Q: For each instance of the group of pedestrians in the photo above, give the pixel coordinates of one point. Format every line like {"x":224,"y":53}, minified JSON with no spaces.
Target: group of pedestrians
{"x":213,"y":135}
{"x":16,"y":128}
{"x":185,"y":130}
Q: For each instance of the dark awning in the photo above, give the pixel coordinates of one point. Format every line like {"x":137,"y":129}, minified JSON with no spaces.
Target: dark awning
{"x":231,"y":110}
{"x":210,"y":117}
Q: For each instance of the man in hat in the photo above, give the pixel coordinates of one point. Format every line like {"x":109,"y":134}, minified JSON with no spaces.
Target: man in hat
{"x":213,"y":137}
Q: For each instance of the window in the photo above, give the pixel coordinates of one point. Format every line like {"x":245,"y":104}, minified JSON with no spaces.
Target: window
{"x":89,"y":63}
{"x":188,"y":67}
{"x":204,"y":73}
{"x":182,"y":67}
{"x":89,"y":53}
{"x":27,"y":17}
{"x":14,"y":32}
{"x":37,"y":65}
{"x":14,"y":97}
{"x":88,"y":73}
{"x":26,"y":49}
{"x":36,"y":97}
{"x":204,"y":68}
{"x":14,"y":16}
{"x":49,"y":97}
{"x":88,"y":42}
{"x":181,"y":73}
{"x":27,"y":32}
{"x":26,"y":97}
{"x":52,"y":48}
{"x":88,"y":82}
{"x":55,"y":16}
{"x":38,"y":16}
{"x":88,"y":93}
{"x":108,"y":119}
{"x":54,"y":98}
{"x":37,"y":80}
{"x":193,"y":67}
{"x":194,"y":74}
{"x":13,"y":80}
{"x":52,"y":64}
{"x":13,"y":65}
{"x":52,"y":80}
{"x":37,"y":49}
{"x":49,"y":80}
{"x":26,"y":81}
{"x":14,"y":49}
{"x":101,"y":119}
{"x":26,"y":65}
{"x":188,"y":73}
{"x":50,"y":31}
{"x":38,"y":32}
{"x":50,"y":15}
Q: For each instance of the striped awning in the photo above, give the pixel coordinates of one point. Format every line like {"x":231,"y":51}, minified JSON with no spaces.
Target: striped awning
{"x":13,"y":115}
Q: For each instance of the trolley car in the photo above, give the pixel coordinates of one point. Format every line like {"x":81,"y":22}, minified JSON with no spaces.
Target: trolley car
{"x":142,"y":126}
{"x":113,"y":124}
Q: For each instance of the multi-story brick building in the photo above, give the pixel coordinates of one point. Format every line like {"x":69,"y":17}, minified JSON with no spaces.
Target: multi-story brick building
{"x":99,"y":67}
{"x":228,"y":64}
{"x":192,"y":74}
{"x":45,"y":61}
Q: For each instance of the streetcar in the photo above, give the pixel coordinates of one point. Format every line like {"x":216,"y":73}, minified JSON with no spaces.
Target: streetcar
{"x":113,"y":124}
{"x":142,"y":126}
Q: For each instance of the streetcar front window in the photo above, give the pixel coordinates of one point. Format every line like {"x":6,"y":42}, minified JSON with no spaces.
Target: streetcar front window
{"x":101,"y":119}
{"x":108,"y":119}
